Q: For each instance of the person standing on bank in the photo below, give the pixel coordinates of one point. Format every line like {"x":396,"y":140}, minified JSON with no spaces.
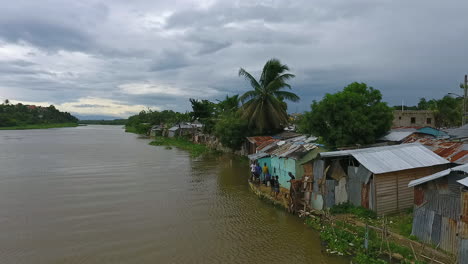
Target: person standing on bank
{"x":266,"y":174}
{"x":253,"y":170}
{"x":276,"y":187}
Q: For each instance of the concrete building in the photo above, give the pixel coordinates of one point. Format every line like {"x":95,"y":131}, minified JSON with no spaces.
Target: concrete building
{"x":413,"y":118}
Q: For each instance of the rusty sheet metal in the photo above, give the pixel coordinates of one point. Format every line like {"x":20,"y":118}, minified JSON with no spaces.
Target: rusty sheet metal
{"x":464,"y":209}
{"x":318,"y":174}
{"x":463,"y":229}
{"x":266,"y":143}
{"x":329,"y":193}
{"x":341,"y":194}
{"x":422,"y":224}
{"x":372,"y":195}
{"x":463,"y":251}
{"x":418,"y":195}
{"x":365,"y":190}
{"x":452,"y":151}
{"x":354,"y":186}
{"x":259,"y":140}
{"x":448,"y":235}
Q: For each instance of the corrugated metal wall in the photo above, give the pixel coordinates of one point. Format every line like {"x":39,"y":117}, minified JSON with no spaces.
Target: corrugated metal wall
{"x":354,"y":186}
{"x":422,"y":224}
{"x":330,"y":193}
{"x":341,"y":194}
{"x":448,"y":235}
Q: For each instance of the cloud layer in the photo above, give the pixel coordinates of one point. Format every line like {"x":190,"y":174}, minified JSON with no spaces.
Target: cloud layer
{"x":118,"y":57}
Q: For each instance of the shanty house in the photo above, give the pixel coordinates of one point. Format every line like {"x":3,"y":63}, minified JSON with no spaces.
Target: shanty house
{"x":441,"y":210}
{"x":284,"y":157}
{"x":375,"y":178}
{"x":183,"y":129}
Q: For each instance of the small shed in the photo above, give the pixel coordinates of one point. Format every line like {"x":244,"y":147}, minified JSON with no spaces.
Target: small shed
{"x":156,"y":130}
{"x":182,"y":129}
{"x":441,"y":210}
{"x":375,"y":178}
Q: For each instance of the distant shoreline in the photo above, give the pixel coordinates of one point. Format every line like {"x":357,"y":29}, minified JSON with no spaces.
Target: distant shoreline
{"x":40,"y":126}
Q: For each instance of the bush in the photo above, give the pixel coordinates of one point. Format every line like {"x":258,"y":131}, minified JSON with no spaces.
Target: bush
{"x":348,"y":208}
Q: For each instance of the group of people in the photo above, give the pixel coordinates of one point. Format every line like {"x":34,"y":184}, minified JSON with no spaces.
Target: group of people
{"x":268,"y":179}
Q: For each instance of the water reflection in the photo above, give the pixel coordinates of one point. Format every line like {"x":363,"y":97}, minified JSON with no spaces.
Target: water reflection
{"x":98,"y":195}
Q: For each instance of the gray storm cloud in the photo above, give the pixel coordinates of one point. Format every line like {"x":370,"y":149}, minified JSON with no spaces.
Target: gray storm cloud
{"x":118,"y":57}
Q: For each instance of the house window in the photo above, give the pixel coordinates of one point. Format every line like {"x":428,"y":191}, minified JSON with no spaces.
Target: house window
{"x":399,"y":118}
{"x":413,"y":120}
{"x":428,"y":120}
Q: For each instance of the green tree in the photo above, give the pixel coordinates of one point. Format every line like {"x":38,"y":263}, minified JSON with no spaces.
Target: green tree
{"x":231,"y":129}
{"x":263,"y":106}
{"x":229,"y":104}
{"x":352,"y":116}
{"x":447,"y":111}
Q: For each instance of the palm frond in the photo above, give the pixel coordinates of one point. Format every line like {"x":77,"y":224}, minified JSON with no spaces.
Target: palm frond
{"x":250,"y":78}
{"x":248,"y":95}
{"x":287,"y":95}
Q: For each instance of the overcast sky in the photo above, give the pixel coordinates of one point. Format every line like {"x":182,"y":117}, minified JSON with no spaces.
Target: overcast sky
{"x":115,"y":58}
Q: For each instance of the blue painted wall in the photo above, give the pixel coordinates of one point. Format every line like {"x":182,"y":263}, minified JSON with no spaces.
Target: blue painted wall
{"x":280,"y":167}
{"x":262,"y":161}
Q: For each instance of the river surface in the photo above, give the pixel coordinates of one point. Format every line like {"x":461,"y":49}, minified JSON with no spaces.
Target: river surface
{"x":95,"y":194}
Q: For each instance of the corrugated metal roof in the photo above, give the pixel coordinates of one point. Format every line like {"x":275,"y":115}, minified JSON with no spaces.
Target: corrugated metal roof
{"x":440,"y":174}
{"x":433,"y":132}
{"x":266,"y":143}
{"x":464,"y":182}
{"x":391,"y":158}
{"x":257,"y":156}
{"x":259,"y":139}
{"x":452,"y":151}
{"x":396,"y":136}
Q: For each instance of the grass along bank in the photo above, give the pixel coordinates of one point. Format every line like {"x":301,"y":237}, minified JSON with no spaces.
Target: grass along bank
{"x":343,"y":231}
{"x":195,"y":150}
{"x":40,"y":126}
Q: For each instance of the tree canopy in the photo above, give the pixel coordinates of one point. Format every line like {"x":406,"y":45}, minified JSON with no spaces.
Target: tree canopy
{"x":264,"y":107}
{"x":354,"y":115}
{"x":20,"y":115}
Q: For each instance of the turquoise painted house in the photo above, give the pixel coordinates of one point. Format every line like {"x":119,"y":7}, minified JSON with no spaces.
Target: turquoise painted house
{"x":284,"y":157}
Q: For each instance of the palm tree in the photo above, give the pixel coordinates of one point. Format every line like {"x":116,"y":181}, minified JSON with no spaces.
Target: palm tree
{"x":263,"y":106}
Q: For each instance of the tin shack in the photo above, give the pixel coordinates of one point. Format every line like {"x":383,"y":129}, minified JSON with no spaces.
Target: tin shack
{"x":376,"y":178}
{"x":441,"y":210}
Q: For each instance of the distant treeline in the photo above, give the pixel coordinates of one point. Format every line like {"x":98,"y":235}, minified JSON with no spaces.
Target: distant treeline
{"x":104,"y":122}
{"x":21,"y":115}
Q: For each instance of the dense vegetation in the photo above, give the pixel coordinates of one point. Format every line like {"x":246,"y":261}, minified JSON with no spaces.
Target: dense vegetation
{"x":30,"y":116}
{"x":104,"y":122}
{"x":355,"y":115}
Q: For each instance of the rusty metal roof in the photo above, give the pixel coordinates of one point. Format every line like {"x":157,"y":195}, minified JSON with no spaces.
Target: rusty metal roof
{"x":259,"y":139}
{"x":266,"y":143}
{"x":391,"y":158}
{"x":452,"y":151}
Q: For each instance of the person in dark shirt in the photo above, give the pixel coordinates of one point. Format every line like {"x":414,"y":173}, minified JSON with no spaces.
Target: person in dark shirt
{"x":291,"y":176}
{"x":277,"y":187}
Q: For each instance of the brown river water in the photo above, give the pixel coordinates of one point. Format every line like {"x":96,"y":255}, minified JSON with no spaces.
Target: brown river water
{"x":95,"y":194}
